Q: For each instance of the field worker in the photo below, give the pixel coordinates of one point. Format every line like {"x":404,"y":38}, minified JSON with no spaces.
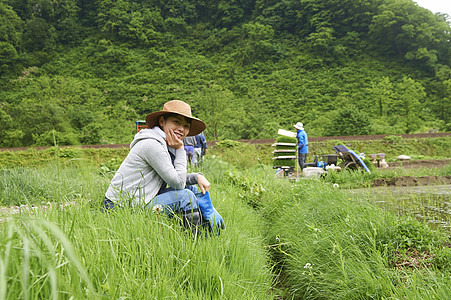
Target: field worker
{"x":200,"y":148}
{"x":188,"y":143}
{"x":302,"y":138}
{"x":153,"y":174}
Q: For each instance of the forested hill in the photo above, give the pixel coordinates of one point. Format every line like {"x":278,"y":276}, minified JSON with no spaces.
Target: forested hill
{"x":82,"y":72}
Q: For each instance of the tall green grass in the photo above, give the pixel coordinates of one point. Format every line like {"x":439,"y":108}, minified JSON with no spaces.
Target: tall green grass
{"x":284,"y":239}
{"x":78,"y":251}
{"x":53,"y":182}
{"x":330,"y":245}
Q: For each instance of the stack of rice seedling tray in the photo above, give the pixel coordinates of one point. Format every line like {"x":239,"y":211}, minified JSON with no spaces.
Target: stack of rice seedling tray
{"x":285,"y":153}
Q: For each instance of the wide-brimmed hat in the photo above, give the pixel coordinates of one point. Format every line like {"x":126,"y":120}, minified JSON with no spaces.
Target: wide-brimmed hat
{"x":299,"y":126}
{"x":180,"y":108}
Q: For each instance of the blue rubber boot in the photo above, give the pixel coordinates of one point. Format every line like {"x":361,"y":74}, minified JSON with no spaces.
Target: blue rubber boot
{"x":209,"y":213}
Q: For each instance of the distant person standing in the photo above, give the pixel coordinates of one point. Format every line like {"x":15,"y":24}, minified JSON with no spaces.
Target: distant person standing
{"x":200,"y":148}
{"x":189,"y":143}
{"x":302,"y":138}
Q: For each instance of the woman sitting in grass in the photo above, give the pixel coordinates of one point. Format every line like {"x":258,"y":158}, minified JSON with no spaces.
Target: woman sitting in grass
{"x":154,"y":172}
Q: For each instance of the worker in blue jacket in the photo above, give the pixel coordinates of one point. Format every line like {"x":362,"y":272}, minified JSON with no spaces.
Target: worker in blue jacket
{"x":302,"y":138}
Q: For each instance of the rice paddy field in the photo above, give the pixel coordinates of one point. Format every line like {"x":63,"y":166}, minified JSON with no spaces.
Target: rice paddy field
{"x":323,"y":238}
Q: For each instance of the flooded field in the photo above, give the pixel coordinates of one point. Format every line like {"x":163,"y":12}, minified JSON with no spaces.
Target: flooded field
{"x":431,"y":203}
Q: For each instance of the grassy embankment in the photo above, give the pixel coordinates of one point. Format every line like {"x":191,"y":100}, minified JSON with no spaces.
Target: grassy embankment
{"x":305,"y":239}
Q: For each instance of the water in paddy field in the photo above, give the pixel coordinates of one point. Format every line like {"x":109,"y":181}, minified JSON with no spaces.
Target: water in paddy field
{"x":431,"y":203}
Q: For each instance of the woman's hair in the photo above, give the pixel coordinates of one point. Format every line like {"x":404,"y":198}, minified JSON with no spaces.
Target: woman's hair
{"x":166,"y":116}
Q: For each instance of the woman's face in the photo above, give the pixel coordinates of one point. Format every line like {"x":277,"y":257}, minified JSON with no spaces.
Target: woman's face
{"x":177,"y":124}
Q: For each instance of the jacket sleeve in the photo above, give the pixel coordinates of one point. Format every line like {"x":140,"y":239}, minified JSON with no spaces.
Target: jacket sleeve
{"x":157,"y":156}
{"x":191,"y":178}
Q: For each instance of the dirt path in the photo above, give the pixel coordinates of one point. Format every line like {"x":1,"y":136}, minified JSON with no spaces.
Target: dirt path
{"x":29,"y":210}
{"x":266,"y":141}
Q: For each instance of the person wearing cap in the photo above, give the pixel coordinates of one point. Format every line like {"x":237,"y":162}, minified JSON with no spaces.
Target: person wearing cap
{"x":302,"y":138}
{"x":154,"y":172}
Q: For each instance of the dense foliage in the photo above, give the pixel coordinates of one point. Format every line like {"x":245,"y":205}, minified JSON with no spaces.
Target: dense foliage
{"x":82,"y":72}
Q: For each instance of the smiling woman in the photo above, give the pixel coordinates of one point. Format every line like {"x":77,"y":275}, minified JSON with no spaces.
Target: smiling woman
{"x":154,"y":171}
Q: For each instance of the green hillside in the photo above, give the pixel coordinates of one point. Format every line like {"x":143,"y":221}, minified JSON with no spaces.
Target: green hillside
{"x":82,"y":72}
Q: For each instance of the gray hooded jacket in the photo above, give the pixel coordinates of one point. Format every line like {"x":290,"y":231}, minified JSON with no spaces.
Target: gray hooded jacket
{"x":146,"y":167}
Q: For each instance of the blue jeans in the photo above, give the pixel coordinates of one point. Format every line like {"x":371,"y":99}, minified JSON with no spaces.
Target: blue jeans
{"x":107,"y":205}
{"x":174,"y":201}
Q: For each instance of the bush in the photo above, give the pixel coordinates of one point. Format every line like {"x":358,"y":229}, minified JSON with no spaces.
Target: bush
{"x":393,"y":138}
{"x":407,"y":234}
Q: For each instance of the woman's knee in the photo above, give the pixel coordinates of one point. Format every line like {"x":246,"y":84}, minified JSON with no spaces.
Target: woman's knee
{"x":177,"y":200}
{"x":193,"y":188}
{"x":188,"y":199}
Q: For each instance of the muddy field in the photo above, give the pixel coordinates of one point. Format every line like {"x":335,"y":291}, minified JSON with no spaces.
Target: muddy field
{"x":416,"y":181}
{"x":412,"y":181}
{"x":420,"y":163}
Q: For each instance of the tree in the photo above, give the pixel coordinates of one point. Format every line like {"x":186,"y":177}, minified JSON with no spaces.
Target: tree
{"x":322,"y":41}
{"x":382,"y":92}
{"x":228,"y":13}
{"x":10,"y":135}
{"x":404,"y":29}
{"x":445,"y":104}
{"x":38,"y":35}
{"x":8,"y":56}
{"x":38,"y":118}
{"x":256,"y":42}
{"x":214,"y":105}
{"x":441,"y":104}
{"x":11,"y":26}
{"x":407,"y":104}
{"x":282,"y":15}
{"x":350,"y":121}
{"x":129,"y":21}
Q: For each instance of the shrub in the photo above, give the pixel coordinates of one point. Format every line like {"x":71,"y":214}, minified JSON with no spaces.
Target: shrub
{"x":409,"y":233}
{"x":393,"y":138}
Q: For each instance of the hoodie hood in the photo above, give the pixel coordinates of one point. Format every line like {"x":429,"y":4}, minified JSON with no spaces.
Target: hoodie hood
{"x":154,"y":133}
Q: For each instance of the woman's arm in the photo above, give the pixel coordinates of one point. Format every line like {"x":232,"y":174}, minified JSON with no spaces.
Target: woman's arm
{"x":157,"y":156}
{"x":203,"y":183}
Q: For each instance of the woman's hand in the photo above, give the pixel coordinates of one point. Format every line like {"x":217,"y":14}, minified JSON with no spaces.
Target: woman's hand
{"x":203,"y":183}
{"x":172,"y":140}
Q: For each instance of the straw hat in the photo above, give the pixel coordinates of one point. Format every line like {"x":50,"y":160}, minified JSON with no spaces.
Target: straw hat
{"x":299,"y":126}
{"x":180,"y":108}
